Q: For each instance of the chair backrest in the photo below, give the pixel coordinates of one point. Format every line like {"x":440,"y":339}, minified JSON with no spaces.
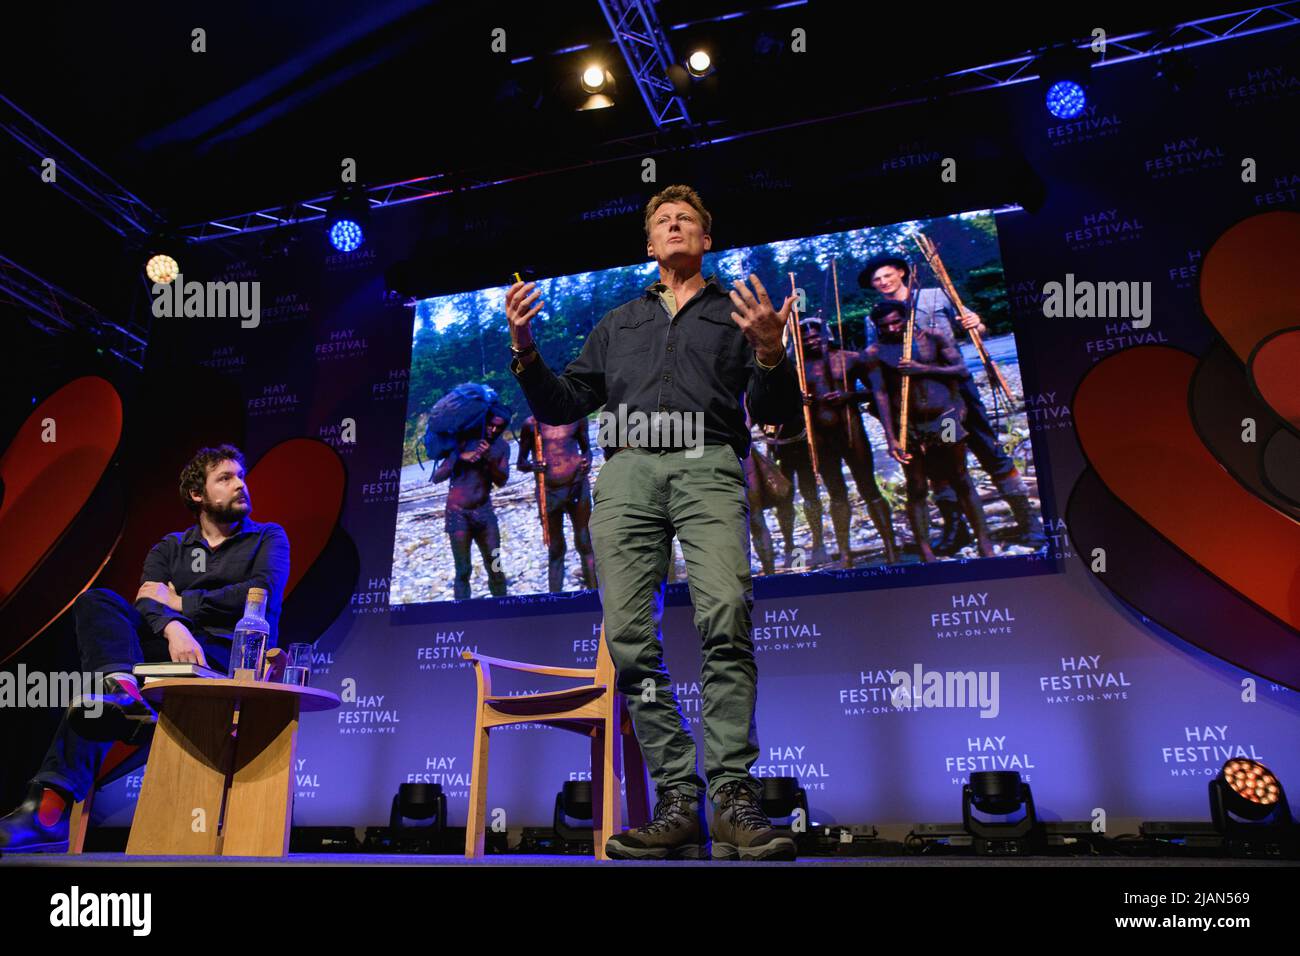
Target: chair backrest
{"x":604,"y":663}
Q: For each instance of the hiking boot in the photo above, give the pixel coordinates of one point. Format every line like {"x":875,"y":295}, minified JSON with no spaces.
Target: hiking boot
{"x":1029,"y":526}
{"x":956,"y":533}
{"x":741,"y":830}
{"x":677,"y":832}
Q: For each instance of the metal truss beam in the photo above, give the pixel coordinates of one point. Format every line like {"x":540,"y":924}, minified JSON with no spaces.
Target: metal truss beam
{"x":58,"y":312}
{"x":1136,"y":46}
{"x":640,"y":38}
{"x":1132,"y":46}
{"x":77,"y":177}
{"x":308,"y":210}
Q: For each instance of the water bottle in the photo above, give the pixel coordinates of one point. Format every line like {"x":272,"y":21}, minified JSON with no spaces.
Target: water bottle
{"x":248,"y":643}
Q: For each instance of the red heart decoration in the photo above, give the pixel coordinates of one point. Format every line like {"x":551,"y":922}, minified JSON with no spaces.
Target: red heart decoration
{"x":1130,"y":412}
{"x":48,"y":482}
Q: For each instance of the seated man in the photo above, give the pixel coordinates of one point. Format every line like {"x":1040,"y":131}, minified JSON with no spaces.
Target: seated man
{"x":192,"y":593}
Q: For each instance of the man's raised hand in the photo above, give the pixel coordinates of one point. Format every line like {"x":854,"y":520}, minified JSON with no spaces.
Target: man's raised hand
{"x":762,"y":324}
{"x":520,"y":311}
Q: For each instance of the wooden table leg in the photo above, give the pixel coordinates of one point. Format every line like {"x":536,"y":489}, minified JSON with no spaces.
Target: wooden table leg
{"x":184,"y":775}
{"x":260,"y":803}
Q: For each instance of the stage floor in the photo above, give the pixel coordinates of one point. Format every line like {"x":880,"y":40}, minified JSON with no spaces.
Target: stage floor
{"x":521,"y":860}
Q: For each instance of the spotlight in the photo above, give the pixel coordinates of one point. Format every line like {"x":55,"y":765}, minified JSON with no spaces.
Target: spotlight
{"x":161,"y":268}
{"x":699,"y":63}
{"x":1000,"y":793}
{"x":574,"y":808}
{"x":346,"y":235}
{"x":786,"y":803}
{"x":1256,"y":792}
{"x":593,"y":79}
{"x":598,"y":88}
{"x":1065,"y":72}
{"x":1066,"y":99}
{"x":1249,"y":808}
{"x":160,"y":256}
{"x":423,"y":802}
{"x":345,"y":219}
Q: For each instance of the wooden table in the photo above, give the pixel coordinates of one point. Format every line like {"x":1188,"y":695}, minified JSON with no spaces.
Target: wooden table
{"x":196,"y":764}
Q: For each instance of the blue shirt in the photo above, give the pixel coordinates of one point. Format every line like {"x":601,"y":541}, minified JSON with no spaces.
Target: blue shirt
{"x":213,"y":598}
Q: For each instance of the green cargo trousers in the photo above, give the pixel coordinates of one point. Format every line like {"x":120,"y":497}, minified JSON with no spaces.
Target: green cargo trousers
{"x":642,"y":498}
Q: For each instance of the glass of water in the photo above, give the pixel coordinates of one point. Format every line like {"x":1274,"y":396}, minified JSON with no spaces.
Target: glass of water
{"x":297,"y":667}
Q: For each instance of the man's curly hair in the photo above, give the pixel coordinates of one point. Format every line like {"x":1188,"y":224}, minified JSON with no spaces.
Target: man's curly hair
{"x":679,"y":194}
{"x":194,"y":476}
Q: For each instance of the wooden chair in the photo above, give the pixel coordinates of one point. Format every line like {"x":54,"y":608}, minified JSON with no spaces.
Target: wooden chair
{"x":595,"y":709}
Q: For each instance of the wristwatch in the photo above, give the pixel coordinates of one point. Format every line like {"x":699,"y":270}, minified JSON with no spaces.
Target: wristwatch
{"x":516,"y":365}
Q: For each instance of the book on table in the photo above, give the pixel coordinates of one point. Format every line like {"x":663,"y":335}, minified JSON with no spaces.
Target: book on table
{"x":167,"y":669}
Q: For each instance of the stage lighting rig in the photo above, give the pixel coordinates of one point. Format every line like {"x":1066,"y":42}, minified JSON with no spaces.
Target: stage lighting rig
{"x":1000,"y":793}
{"x":161,"y":268}
{"x":573,"y":819}
{"x":593,"y":79}
{"x":417,"y":818}
{"x":598,"y":83}
{"x":1249,"y":807}
{"x":1065,"y":75}
{"x":699,"y":63}
{"x":161,"y":256}
{"x":347,"y":218}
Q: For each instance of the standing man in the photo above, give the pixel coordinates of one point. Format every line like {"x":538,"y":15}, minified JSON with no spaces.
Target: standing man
{"x":474,"y":467}
{"x":686,"y":345}
{"x":192,"y":593}
{"x":936,"y":438}
{"x":564,"y":466}
{"x":788,"y":445}
{"x":935,"y":313}
{"x":840,"y":437}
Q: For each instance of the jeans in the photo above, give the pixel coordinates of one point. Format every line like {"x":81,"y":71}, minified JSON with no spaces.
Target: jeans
{"x":112,"y":636}
{"x":643,"y":497}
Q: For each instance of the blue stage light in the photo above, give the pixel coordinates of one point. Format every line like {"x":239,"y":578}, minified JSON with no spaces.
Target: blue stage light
{"x":1066,"y":99}
{"x":346,"y":235}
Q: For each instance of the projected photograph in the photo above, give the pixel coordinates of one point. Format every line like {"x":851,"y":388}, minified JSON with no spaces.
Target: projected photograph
{"x":909,"y":321}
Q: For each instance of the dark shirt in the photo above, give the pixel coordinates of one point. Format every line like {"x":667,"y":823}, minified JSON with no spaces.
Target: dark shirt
{"x":212,"y":600}
{"x":695,"y":361}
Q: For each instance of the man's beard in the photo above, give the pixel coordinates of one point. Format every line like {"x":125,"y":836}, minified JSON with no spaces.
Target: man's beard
{"x":228,"y":512}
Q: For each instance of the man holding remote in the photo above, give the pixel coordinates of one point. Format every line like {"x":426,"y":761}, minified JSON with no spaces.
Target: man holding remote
{"x":691,"y":347}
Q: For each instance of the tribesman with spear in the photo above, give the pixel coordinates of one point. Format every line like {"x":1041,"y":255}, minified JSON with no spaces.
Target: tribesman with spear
{"x":560,"y":457}
{"x":835,"y":424}
{"x":914,"y":375}
{"x":938,"y":312}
